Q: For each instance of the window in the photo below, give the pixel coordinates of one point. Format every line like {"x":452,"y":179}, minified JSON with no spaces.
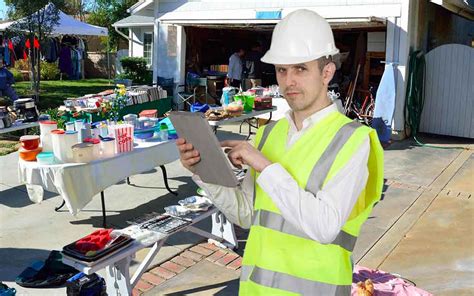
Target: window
{"x":148,"y":47}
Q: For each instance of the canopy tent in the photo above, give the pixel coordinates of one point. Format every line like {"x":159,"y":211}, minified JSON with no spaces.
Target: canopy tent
{"x":66,"y":25}
{"x":5,"y":25}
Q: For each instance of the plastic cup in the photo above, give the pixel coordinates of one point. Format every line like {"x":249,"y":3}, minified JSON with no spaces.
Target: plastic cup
{"x":248,"y":103}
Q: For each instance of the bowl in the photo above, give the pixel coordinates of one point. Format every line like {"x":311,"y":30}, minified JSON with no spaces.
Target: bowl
{"x":29,"y":155}
{"x":30,"y":142}
{"x":144,"y":134}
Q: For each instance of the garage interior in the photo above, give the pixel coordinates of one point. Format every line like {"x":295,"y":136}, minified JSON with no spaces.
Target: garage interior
{"x":362,"y":47}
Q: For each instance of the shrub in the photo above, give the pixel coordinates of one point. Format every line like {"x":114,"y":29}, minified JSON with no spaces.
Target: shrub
{"x":55,"y":115}
{"x":22,"y":65}
{"x":135,"y":69}
{"x":16,"y":75}
{"x":49,"y":71}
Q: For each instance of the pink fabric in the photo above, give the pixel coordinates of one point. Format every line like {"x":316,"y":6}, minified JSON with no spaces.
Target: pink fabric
{"x":385,"y":284}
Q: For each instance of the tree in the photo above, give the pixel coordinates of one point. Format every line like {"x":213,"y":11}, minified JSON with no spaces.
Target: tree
{"x":34,"y":19}
{"x":106,"y":12}
{"x":75,"y":8}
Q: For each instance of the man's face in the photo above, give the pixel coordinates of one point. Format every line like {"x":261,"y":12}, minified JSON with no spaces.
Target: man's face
{"x":241,"y":53}
{"x":302,"y":85}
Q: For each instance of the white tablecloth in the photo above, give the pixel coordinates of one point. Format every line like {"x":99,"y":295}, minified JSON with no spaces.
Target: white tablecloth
{"x":77,"y":183}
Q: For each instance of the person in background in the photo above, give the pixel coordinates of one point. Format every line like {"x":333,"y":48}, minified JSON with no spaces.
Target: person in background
{"x":314,"y":175}
{"x":253,"y":67}
{"x":6,"y":81}
{"x":234,"y":74}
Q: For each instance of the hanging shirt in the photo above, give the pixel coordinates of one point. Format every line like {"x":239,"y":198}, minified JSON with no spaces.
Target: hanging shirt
{"x":65,"y":61}
{"x":36,"y":43}
{"x":6,"y":55}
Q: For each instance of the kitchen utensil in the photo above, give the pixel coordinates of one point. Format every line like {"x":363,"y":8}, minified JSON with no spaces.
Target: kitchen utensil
{"x":29,"y":155}
{"x":30,"y":142}
{"x":46,"y":127}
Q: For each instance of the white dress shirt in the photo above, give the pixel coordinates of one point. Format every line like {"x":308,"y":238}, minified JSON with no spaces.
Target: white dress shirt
{"x":235,"y":67}
{"x":319,"y":216}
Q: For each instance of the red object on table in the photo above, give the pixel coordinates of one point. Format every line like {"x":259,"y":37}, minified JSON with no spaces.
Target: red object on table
{"x":262,"y":103}
{"x":94,"y":241}
{"x":30,"y":142}
{"x":29,"y":155}
{"x":149,"y":113}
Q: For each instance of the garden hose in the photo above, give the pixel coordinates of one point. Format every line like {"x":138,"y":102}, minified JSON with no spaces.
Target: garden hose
{"x":415,"y":96}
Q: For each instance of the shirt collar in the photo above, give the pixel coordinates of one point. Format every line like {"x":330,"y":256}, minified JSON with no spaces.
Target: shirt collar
{"x":311,"y":120}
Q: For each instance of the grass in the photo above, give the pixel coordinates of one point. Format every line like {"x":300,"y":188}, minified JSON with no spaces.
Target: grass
{"x":53,"y":93}
{"x":8,"y":146}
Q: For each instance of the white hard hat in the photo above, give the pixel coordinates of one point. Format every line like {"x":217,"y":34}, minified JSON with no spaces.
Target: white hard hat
{"x":300,"y":37}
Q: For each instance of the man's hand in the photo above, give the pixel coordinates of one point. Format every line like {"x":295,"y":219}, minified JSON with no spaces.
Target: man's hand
{"x":188,"y":155}
{"x":241,"y":152}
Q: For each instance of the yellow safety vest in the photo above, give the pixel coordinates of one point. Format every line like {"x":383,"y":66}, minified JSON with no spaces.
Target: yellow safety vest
{"x":279,"y":259}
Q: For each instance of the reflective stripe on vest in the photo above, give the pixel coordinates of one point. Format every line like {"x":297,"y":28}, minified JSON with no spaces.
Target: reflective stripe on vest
{"x":315,"y":181}
{"x":283,"y":281}
{"x":266,"y":131}
{"x":323,"y":165}
{"x":276,"y":222}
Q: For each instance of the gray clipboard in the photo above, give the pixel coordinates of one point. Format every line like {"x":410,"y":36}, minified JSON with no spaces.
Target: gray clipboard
{"x":214,"y":167}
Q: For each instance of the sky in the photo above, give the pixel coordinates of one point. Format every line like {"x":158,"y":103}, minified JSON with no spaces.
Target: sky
{"x":3,"y":9}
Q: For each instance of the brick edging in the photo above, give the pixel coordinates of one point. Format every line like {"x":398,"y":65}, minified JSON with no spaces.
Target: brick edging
{"x":160,"y":273}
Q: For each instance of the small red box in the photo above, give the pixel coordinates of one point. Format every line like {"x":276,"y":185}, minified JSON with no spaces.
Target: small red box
{"x":149,"y":113}
{"x":262,"y":103}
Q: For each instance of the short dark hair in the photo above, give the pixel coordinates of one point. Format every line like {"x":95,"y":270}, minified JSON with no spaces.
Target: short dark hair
{"x":323,"y":61}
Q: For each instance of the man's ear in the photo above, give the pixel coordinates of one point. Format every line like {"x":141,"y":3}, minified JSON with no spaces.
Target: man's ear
{"x":328,"y":72}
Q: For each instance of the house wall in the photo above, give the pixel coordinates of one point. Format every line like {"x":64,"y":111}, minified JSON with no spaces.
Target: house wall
{"x":438,"y":26}
{"x":137,"y":33}
{"x":196,"y":5}
{"x":227,"y":10}
{"x":401,"y":15}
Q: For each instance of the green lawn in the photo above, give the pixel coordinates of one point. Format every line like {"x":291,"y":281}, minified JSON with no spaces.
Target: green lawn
{"x":8,"y":146}
{"x":53,"y":93}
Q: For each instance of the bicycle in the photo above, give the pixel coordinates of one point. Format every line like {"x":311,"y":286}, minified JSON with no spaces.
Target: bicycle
{"x":365,"y":112}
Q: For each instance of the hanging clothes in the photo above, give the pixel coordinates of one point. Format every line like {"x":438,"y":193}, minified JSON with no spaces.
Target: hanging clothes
{"x":36,"y":43}
{"x":11,"y":53}
{"x":74,"y":60}
{"x":65,"y":61}
{"x":29,"y":48}
{"x":49,"y":50}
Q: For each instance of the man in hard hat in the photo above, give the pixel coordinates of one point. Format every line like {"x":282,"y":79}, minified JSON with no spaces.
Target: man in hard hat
{"x":314,"y":175}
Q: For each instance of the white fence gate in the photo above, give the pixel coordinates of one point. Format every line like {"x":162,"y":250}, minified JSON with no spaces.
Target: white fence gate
{"x":449,"y":91}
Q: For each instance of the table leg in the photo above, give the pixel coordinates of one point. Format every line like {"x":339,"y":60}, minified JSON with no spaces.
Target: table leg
{"x":269,"y":118}
{"x":117,"y":277}
{"x":146,"y":262}
{"x":102,"y":198}
{"x":60,"y":206}
{"x":165,"y":177}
